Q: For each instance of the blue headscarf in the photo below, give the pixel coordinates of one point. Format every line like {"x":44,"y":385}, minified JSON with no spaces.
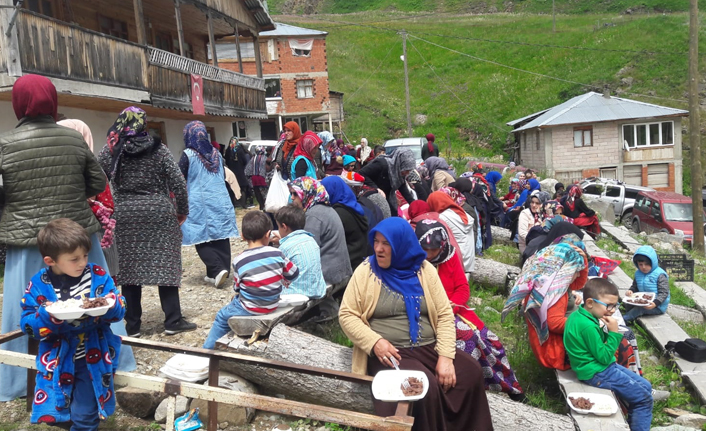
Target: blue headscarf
{"x":401,"y":277}
{"x":493,"y":178}
{"x":196,"y":138}
{"x":340,"y":193}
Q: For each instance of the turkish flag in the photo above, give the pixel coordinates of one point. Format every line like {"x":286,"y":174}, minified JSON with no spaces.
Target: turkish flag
{"x":197,"y":95}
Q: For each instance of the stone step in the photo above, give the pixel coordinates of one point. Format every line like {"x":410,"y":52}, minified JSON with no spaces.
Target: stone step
{"x":621,"y":237}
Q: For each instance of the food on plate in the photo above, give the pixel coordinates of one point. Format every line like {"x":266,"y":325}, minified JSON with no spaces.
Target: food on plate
{"x":638,"y":301}
{"x":69,"y":304}
{"x":94,"y":302}
{"x":581,"y":403}
{"x":416,"y":387}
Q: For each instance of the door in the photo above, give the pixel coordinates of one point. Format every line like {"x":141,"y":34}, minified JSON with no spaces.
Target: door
{"x":268,"y":131}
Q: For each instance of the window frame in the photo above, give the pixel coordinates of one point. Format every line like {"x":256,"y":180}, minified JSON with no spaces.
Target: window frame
{"x":40,"y":7}
{"x":648,"y":144}
{"x":303,"y":81}
{"x":582,"y":129}
{"x":124,"y":33}
{"x":301,"y":52}
{"x":279,"y":86}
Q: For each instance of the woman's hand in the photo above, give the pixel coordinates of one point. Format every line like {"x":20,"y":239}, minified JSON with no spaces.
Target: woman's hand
{"x":446,"y":373}
{"x":181,"y":218}
{"x":384,"y":350}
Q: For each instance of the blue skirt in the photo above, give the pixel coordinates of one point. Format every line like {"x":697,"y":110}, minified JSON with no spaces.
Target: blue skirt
{"x":21,"y":264}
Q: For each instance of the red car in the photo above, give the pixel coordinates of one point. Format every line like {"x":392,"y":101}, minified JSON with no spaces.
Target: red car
{"x":663,"y":212}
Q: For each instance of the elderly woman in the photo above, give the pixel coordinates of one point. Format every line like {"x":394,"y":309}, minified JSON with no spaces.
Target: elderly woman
{"x":211,"y":221}
{"x":460,"y":223}
{"x":364,"y":154}
{"x":575,"y":208}
{"x":50,"y":181}
{"x":472,"y":336}
{"x":395,"y":308}
{"x":440,"y":174}
{"x":388,"y":174}
{"x":352,"y":216}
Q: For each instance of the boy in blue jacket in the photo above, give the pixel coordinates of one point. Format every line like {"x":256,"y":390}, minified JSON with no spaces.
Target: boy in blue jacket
{"x":76,"y":359}
{"x":649,"y":277}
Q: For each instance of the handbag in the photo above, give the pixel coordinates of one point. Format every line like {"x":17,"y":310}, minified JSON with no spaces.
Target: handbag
{"x":691,"y":349}
{"x":278,"y":194}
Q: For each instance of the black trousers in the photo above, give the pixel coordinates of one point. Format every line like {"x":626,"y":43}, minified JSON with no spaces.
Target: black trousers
{"x":168,"y":296}
{"x":215,"y":255}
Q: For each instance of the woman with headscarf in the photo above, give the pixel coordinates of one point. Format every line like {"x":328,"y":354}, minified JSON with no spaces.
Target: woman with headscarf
{"x":323,"y":222}
{"x":460,"y":223}
{"x":415,"y":182}
{"x":237,"y":159}
{"x":349,"y":164}
{"x":493,"y":178}
{"x":143,"y":175}
{"x":472,"y":336}
{"x":256,"y":173}
{"x":575,"y":208}
{"x":364,"y":153}
{"x":527,"y":187}
{"x":511,"y":197}
{"x":211,"y":221}
{"x":419,"y":210}
{"x":352,"y":217}
{"x":430,"y":149}
{"x":377,"y":198}
{"x":284,"y":157}
{"x":388,"y":174}
{"x":336,"y":150}
{"x":33,"y":198}
{"x":305,"y":154}
{"x":395,"y":309}
{"x":530,"y":217}
{"x":557,"y":231}
{"x":439,"y":173}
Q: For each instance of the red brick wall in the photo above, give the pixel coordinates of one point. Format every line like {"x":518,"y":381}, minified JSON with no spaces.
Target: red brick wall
{"x":587,"y":173}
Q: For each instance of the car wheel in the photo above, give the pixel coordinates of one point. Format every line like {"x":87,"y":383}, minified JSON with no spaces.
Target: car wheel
{"x":636,"y":225}
{"x":626,"y":219}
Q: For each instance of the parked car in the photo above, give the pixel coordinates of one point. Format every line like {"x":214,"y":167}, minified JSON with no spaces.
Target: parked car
{"x":254,"y":144}
{"x":621,"y":195}
{"x":663,"y":212}
{"x":414,"y":144}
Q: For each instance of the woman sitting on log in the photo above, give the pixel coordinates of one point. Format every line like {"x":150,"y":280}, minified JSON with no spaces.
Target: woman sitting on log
{"x":471,"y":333}
{"x":575,"y":208}
{"x":395,"y":308}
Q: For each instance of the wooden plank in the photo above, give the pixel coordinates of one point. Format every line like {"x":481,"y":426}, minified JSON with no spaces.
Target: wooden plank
{"x":258,"y":56}
{"x":212,"y":41}
{"x":570,"y":383}
{"x":695,"y":292}
{"x":237,"y":48}
{"x":140,"y":22}
{"x":180,"y":27}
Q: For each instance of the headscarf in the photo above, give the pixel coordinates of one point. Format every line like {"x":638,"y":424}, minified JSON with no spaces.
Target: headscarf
{"x":400,"y":160}
{"x":216,"y":145}
{"x":511,"y":164}
{"x":233,"y":142}
{"x":310,"y":191}
{"x":545,"y":278}
{"x":81,"y":128}
{"x":440,"y":202}
{"x":517,"y":175}
{"x":430,"y":142}
{"x":557,"y":186}
{"x":558,"y":231}
{"x":414,"y":177}
{"x":493,"y":178}
{"x":542,"y":196}
{"x":347,"y":160}
{"x":534,"y":185}
{"x":326,"y":138}
{"x":308,"y":143}
{"x":467,"y":174}
{"x":296,"y":134}
{"x":423,"y":172}
{"x":365,"y":150}
{"x":128,"y":135}
{"x":454,"y":194}
{"x":406,"y":260}
{"x":539,"y":215}
{"x":257,"y":165}
{"x":196,"y":139}
{"x":436,"y":163}
{"x":572,"y":195}
{"x":514,"y":184}
{"x":550,"y":208}
{"x":34,"y":95}
{"x":417,"y":208}
{"x":340,"y":193}
{"x":432,"y":235}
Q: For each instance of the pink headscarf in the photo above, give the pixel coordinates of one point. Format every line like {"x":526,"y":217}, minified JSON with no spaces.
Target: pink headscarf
{"x":81,"y":128}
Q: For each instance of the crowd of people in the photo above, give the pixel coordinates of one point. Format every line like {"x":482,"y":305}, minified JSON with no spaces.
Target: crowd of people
{"x":395,"y":242}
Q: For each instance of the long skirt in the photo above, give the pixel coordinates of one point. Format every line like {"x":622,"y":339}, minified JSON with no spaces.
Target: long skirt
{"x":463,"y":408}
{"x":215,"y":255}
{"x":591,"y":224}
{"x":21,"y":265}
{"x":486,"y":348}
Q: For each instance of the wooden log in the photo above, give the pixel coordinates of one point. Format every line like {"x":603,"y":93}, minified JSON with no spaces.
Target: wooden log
{"x":509,"y":415}
{"x":495,"y":274}
{"x":501,"y":235}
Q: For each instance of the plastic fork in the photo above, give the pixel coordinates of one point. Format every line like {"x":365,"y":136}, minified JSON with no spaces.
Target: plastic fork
{"x":405,"y":382}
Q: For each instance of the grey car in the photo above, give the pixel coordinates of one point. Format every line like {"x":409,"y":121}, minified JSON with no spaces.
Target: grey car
{"x":621,"y":195}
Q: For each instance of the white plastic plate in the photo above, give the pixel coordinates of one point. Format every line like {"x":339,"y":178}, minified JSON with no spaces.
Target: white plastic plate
{"x":99,"y":311}
{"x":188,"y":363}
{"x":387,"y":385}
{"x":639,"y":295}
{"x":66,"y":313}
{"x":603,"y":405}
{"x":292,"y":300}
{"x":183,"y":375}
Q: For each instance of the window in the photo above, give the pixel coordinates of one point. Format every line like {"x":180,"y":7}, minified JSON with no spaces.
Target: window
{"x":593,"y":189}
{"x":229,"y":51}
{"x":301,"y":47}
{"x":299,"y":120}
{"x":630,"y":194}
{"x":112,"y":26}
{"x":240,"y":129}
{"x":163,"y":41}
{"x":272,"y":88}
{"x":583,"y":136}
{"x":645,"y":207}
{"x":611,"y":173}
{"x":678,"y":212}
{"x":305,"y":88}
{"x":301,"y":52}
{"x":656,"y":211}
{"x":648,"y":135}
{"x":188,"y":49}
{"x":612,"y":192}
{"x":536,"y":136}
{"x":44,"y":7}
{"x":211,"y":134}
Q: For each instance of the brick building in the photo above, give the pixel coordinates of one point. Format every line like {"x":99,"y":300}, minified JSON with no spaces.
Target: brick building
{"x":295,"y":69}
{"x":600,"y":135}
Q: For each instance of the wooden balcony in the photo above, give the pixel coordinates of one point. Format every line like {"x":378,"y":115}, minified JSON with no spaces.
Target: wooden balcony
{"x":60,"y":50}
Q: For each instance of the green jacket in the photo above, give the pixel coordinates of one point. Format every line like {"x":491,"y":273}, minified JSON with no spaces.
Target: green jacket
{"x":590,"y":349}
{"x":48,"y":171}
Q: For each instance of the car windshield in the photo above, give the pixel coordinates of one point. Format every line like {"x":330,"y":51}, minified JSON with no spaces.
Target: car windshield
{"x":416,"y":150}
{"x":678,"y":212}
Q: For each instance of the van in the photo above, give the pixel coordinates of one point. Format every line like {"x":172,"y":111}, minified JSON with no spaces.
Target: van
{"x":663,"y":212}
{"x":414,"y":144}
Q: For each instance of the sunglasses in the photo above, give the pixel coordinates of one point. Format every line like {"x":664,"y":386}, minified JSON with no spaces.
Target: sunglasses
{"x":608,"y":307}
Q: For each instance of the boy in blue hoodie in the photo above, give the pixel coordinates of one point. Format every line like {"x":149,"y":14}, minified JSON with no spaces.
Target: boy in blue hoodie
{"x":648,"y":278}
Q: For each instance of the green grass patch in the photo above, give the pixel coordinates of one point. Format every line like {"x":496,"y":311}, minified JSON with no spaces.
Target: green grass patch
{"x":506,"y":254}
{"x":607,"y":243}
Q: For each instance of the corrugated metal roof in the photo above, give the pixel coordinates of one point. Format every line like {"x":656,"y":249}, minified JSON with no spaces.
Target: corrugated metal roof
{"x":261,"y":15}
{"x":291,"y":30}
{"x":593,"y":107}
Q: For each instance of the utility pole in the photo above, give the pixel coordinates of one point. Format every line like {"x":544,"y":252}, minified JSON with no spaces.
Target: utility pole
{"x":406,"y":83}
{"x":697,"y":180}
{"x":553,"y":18}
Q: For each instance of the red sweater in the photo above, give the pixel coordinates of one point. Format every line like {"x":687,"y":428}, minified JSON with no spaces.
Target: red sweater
{"x":453,"y":277}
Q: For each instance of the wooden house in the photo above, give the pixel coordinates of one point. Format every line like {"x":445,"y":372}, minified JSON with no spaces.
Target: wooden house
{"x":104,"y":55}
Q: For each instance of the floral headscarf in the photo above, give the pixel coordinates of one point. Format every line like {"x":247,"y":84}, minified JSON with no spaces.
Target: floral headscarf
{"x":432,"y":235}
{"x":454,"y":194}
{"x":196,"y":139}
{"x":310,"y":191}
{"x":128,"y":135}
{"x":572,"y":195}
{"x":467,"y":175}
{"x":308,"y":143}
{"x":550,"y":208}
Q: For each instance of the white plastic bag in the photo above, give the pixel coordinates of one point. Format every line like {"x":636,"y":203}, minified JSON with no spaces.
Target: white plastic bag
{"x":278,"y":194}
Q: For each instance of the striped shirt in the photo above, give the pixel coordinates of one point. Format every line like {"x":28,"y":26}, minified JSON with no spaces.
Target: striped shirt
{"x":301,"y":248}
{"x":259,"y":275}
{"x":67,"y":287}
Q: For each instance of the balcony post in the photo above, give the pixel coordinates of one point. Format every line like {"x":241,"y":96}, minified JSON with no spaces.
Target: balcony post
{"x":237,"y":48}
{"x":212,"y":40}
{"x":180,"y":28}
{"x":140,"y":22}
{"x":258,"y":57}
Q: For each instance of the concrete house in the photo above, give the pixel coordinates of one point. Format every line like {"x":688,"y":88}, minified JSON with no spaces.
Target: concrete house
{"x":600,"y":135}
{"x":295,"y":69}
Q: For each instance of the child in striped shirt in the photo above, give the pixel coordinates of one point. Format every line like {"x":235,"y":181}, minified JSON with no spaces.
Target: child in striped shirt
{"x":259,"y":274}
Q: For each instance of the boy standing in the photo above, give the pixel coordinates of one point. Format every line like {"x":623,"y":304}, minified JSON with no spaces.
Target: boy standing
{"x":77,"y":359}
{"x":259,"y":274}
{"x":591,"y":351}
{"x":649,"y":277}
{"x":301,"y":248}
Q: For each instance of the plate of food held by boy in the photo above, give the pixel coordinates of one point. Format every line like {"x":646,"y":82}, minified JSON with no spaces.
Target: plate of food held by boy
{"x":640,"y":299}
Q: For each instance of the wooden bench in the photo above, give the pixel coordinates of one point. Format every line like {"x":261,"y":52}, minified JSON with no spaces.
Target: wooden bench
{"x":568,"y":382}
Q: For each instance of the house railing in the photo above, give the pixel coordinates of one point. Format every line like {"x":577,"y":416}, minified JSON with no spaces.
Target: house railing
{"x":186,"y":65}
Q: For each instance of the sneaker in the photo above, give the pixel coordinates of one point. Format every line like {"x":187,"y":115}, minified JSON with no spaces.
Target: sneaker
{"x":659,"y":395}
{"x":209,"y":280}
{"x":135,"y":335}
{"x":181,"y":326}
{"x":221,"y":279}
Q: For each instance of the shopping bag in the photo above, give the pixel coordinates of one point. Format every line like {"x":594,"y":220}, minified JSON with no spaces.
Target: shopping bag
{"x":278,"y":194}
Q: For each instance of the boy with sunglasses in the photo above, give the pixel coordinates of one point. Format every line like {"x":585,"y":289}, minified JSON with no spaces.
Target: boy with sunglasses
{"x":591,"y":338}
